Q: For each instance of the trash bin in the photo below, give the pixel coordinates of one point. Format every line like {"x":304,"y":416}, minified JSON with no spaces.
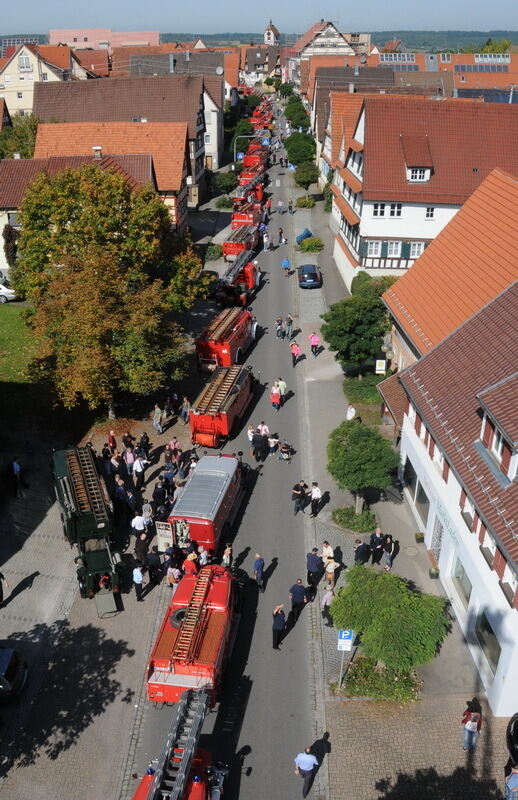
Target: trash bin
{"x":306,"y":234}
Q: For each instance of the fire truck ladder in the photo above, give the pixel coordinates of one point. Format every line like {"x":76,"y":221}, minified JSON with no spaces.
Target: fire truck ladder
{"x":174,"y":765}
{"x":86,"y":485}
{"x":192,"y":624}
{"x":235,"y":268}
{"x":217,"y":390}
{"x":223,"y":322}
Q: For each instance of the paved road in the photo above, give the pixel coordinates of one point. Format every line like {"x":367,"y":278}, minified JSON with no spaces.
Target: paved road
{"x":266,"y":713}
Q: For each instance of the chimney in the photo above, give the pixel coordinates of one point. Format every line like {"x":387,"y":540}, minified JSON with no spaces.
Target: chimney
{"x":187,"y":55}
{"x":172,"y":62}
{"x":351,"y":88}
{"x":16,"y":155}
{"x":98,"y":151}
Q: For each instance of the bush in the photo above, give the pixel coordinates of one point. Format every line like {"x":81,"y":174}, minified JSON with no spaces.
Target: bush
{"x":214,"y":251}
{"x":226,"y":181}
{"x":224,"y":202}
{"x":347,"y":518}
{"x":328,"y":199}
{"x":364,"y":390}
{"x":364,"y":680}
{"x":305,"y":202}
{"x":312,"y":245}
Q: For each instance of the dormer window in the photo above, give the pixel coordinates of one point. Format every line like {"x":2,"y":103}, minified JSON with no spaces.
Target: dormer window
{"x":497,"y":445}
{"x":418,"y":174}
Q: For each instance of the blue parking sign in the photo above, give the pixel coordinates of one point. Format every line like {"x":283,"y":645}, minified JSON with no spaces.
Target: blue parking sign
{"x":345,"y":639}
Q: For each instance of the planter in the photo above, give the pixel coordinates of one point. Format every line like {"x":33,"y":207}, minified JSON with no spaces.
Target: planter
{"x":433,"y":572}
{"x":419,"y":537}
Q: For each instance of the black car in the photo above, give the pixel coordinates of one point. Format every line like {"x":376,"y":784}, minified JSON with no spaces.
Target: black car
{"x":309,"y":276}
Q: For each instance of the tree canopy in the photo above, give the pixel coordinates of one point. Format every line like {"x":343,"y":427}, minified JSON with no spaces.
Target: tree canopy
{"x":399,"y":628}
{"x":285,"y":90}
{"x":226,"y":181}
{"x":296,"y":114}
{"x":243,"y":128}
{"x":253,"y":100}
{"x":306,"y":174}
{"x":300,"y":147}
{"x":359,"y":459}
{"x":20,"y":138}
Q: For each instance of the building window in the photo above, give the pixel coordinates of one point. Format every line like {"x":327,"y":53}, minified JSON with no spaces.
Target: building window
{"x":445,"y":58}
{"x":379,"y":210}
{"x":19,"y":95}
{"x":410,"y":477}
{"x":374,"y":249}
{"x":395,"y":209}
{"x":394,"y":249}
{"x":461,"y":582}
{"x":44,"y":76}
{"x":207,"y":138}
{"x":418,"y":174}
{"x":497,"y":445}
{"x":389,"y":58}
{"x":416,"y":248}
{"x":12,"y":219}
{"x":509,"y":584}
{"x":487,"y":640}
{"x":422,"y":504}
{"x":24,"y":63}
{"x":430,"y":212}
{"x":74,"y":39}
{"x":85,"y":38}
{"x":504,"y":58}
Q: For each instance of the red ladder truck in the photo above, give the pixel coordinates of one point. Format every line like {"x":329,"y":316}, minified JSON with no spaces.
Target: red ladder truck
{"x":246,"y":237}
{"x":195,"y":640}
{"x":239,"y":282}
{"x":217,"y":412}
{"x":225,"y":340}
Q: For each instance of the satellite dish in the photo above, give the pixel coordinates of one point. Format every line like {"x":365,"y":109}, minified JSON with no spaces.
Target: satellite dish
{"x":219,"y":70}
{"x":363,"y":59}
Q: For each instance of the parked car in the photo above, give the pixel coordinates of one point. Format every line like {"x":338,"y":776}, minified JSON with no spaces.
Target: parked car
{"x":13,"y":673}
{"x":6,"y":293}
{"x":309,"y":276}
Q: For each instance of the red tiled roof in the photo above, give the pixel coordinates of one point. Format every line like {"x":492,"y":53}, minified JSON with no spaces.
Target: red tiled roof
{"x":344,"y":110}
{"x":501,"y":400}
{"x":416,"y":151}
{"x":344,"y":206}
{"x":231,"y":61}
{"x":444,"y":386}
{"x":351,"y":180}
{"x":391,"y":45}
{"x":306,"y":38}
{"x":356,"y":145}
{"x":472,"y":259}
{"x":17,"y":174}
{"x":348,"y":253}
{"x":466,"y":141}
{"x":165,"y":141}
{"x":94,"y":61}
{"x":395,"y":398}
{"x":58,"y":55}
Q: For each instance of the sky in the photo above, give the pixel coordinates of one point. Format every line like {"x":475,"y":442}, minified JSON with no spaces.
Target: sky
{"x":291,"y":16}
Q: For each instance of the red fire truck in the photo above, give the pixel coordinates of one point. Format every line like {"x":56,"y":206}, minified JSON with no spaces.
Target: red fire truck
{"x":196,"y":637}
{"x":209,"y":501}
{"x":217,"y":412}
{"x":246,"y":237}
{"x":250,"y":192}
{"x":239,"y":282}
{"x":246,"y":214}
{"x":225,"y":340}
{"x":249,"y":174}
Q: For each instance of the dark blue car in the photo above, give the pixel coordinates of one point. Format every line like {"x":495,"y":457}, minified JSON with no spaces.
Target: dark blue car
{"x":309,"y":276}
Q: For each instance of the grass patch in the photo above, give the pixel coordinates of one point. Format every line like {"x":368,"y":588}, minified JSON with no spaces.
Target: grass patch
{"x":224,"y":202}
{"x":364,"y":680}
{"x":364,"y":390}
{"x":214,"y":252}
{"x":347,"y":518}
{"x":17,"y":344}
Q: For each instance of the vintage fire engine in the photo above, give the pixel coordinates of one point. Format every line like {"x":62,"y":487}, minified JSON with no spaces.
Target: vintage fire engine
{"x":252,"y":192}
{"x":239,"y":282}
{"x":225,"y":340}
{"x":217,"y":412}
{"x":246,"y":214}
{"x":246,"y":237}
{"x":183,"y":771}
{"x":86,"y":514}
{"x":208,"y":504}
{"x":249,"y":174}
{"x":195,"y":640}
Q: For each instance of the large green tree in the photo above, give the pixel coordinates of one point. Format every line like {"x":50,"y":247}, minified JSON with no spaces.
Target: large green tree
{"x":359,"y":459}
{"x":400,"y":628}
{"x":285,"y":90}
{"x":296,"y":114}
{"x":243,"y":128}
{"x":20,"y":137}
{"x":300,"y":148}
{"x":306,"y":174}
{"x":226,"y":181}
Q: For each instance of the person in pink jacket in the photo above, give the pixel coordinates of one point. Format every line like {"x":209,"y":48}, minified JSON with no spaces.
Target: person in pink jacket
{"x":296,"y":352}
{"x":314,"y":341}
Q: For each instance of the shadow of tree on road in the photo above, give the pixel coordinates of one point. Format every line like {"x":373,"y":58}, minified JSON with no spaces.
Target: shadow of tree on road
{"x":427,"y":784}
{"x":71,"y":682}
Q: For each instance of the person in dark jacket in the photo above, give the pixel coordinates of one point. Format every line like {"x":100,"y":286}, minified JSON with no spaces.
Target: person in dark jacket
{"x":376,"y":545}
{"x":388,"y":548}
{"x":141,"y":549}
{"x":159,"y":494}
{"x":154,"y":565}
{"x":257,"y":445}
{"x":278,"y":626}
{"x":298,"y":599}
{"x":315,"y":568}
{"x":362,"y":552}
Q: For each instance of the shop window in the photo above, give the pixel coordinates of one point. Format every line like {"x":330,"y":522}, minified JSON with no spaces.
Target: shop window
{"x":422,"y":504}
{"x":410,"y":477}
{"x":461,"y":582}
{"x":487,"y":640}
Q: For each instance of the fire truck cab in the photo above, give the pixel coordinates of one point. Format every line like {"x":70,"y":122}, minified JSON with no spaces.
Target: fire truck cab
{"x":217,"y":412}
{"x":196,"y":637}
{"x":225,"y":340}
{"x":209,"y":501}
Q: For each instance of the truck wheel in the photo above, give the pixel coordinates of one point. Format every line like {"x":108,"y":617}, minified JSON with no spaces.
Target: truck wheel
{"x":238,"y":355}
{"x":176,"y":618}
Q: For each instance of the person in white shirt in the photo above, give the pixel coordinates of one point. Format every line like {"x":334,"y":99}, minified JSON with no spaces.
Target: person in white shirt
{"x":305,"y":764}
{"x":263,"y":429}
{"x":327,"y":551}
{"x":203,"y":556}
{"x":351,"y":412}
{"x":316,"y":496}
{"x":138,"y":523}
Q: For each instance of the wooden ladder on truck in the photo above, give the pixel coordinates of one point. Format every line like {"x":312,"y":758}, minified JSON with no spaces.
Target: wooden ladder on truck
{"x":225,"y":321}
{"x":86,"y":484}
{"x":173,"y":768}
{"x":217,"y":390}
{"x":191,"y":628}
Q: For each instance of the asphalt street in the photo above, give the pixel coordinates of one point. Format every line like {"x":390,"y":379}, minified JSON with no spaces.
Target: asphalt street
{"x":265,"y":716}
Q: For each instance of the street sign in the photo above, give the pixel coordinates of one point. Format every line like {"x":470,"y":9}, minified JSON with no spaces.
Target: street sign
{"x":345,"y":640}
{"x":265,"y":142}
{"x":381,"y":366}
{"x":240,"y":156}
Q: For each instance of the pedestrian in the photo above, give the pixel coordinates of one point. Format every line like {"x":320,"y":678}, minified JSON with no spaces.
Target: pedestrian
{"x":278,"y":626}
{"x":147,"y":513}
{"x":286,"y":265}
{"x":273,"y":442}
{"x":184,"y":409}
{"x":296,"y":352}
{"x":330,"y":571}
{"x":290,"y":207}
{"x":511,"y":784}
{"x":316,"y":497}
{"x":144,"y":446}
{"x":266,"y":241}
{"x":288,"y":323}
{"x":275,"y":396}
{"x":259,"y":572}
{"x":189,"y":565}
{"x":131,"y":502}
{"x":154,"y":565}
{"x":139,"y":471}
{"x":327,"y":599}
{"x":388,"y":547}
{"x":228,"y":556}
{"x":305,"y":764}
{"x":314,"y":342}
{"x":314,"y":568}
{"x":138,"y":580}
{"x":128,"y":440}
{"x":168,"y":457}
{"x":280,"y":328}
{"x":283,"y":389}
{"x":280,"y":206}
{"x":203,"y":556}
{"x":112,"y":441}
{"x":298,"y":495}
{"x":362,"y":552}
{"x":257,"y":445}
{"x":141,"y":549}
{"x":327,"y":551}
{"x":282,"y":240}
{"x":157,"y":418}
{"x":350,"y":413}
{"x":159,"y":492}
{"x":250,"y":436}
{"x":472,"y":723}
{"x":262,"y":228}
{"x":376,"y":545}
{"x":298,"y":599}
{"x":138,"y":524}
{"x":268,"y":205}
{"x":129,"y":459}
{"x":263,"y":429}
{"x":173,"y":578}
{"x":115,"y":462}
{"x":3,"y":585}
